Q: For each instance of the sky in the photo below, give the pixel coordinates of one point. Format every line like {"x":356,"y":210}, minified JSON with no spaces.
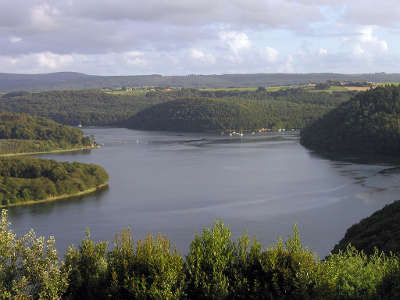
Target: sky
{"x":180,"y":37}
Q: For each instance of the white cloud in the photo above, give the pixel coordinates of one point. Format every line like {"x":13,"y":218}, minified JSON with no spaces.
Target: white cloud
{"x":323,"y":51}
{"x":202,"y":56}
{"x":15,"y":39}
{"x":270,"y":54}
{"x":53,"y":61}
{"x":43,"y":17}
{"x":367,"y":44}
{"x":134,"y":58}
{"x":236,"y":41}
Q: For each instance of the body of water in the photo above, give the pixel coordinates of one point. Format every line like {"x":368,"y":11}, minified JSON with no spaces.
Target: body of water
{"x":177,"y":184}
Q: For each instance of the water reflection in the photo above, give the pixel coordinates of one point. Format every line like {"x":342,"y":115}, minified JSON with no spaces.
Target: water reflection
{"x":46,"y":208}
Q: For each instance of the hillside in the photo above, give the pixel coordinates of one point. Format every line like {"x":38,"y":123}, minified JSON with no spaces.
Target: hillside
{"x":193,"y":115}
{"x":287,"y":108}
{"x":380,"y":230}
{"x":78,"y":107}
{"x":367,"y":124}
{"x":21,"y":133}
{"x":79,"y":81}
{"x":32,"y":180}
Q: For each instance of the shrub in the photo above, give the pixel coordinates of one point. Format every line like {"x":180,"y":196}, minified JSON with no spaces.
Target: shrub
{"x":29,"y":266}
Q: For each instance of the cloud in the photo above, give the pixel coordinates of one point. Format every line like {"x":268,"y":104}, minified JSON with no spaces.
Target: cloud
{"x":53,"y":61}
{"x":270,"y":54}
{"x":181,"y":12}
{"x":134,"y":58}
{"x":236,"y":41}
{"x":367,"y":44}
{"x":15,"y":39}
{"x":323,"y":51}
{"x":369,"y":12}
{"x":208,"y":36}
{"x":43,"y":17}
{"x":201,"y":56}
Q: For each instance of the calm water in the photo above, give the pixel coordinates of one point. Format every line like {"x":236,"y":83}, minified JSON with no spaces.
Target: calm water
{"x":179,"y":183}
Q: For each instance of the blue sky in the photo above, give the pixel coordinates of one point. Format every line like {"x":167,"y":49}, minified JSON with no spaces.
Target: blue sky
{"x":177,"y":37}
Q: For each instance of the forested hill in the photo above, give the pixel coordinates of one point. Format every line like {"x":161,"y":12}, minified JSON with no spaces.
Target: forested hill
{"x":380,"y":230}
{"x":79,"y":81}
{"x":78,"y":107}
{"x":367,"y":124}
{"x":195,"y":115}
{"x":31,"y":180}
{"x":20,"y":133}
{"x":286,"y":108}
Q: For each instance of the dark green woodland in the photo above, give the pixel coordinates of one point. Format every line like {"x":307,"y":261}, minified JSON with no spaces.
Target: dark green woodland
{"x":381,"y":230}
{"x":24,"y":180}
{"x":367,"y":124}
{"x":291,"y":108}
{"x":21,"y":133}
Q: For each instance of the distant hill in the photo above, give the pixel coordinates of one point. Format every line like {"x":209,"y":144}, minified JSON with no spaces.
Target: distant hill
{"x":380,"y":230}
{"x":79,"y":81}
{"x":367,"y":124}
{"x":286,"y":108}
{"x":192,"y":115}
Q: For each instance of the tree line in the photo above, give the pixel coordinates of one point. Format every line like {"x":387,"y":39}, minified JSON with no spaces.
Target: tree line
{"x":290,"y":108}
{"x":30,"y":179}
{"x":25,"y":133}
{"x":215,"y":267}
{"x":367,"y":124}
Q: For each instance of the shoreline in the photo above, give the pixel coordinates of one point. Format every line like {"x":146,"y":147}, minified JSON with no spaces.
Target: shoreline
{"x":50,"y":151}
{"x":59,"y":197}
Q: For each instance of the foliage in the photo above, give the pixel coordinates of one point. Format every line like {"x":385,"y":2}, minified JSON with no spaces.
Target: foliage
{"x":214,"y":268}
{"x":380,"y":230}
{"x":32,"y":179}
{"x":196,"y":115}
{"x":351,"y":274}
{"x":29,"y":266}
{"x":225,"y":110}
{"x":255,"y":108}
{"x":208,"y":264}
{"x":151,"y":269}
{"x":79,"y":107}
{"x":26,"y":127}
{"x":87,"y":267}
{"x":367,"y":124}
{"x":22,"y":133}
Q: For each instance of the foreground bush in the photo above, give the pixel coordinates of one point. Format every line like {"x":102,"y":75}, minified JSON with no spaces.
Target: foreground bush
{"x":29,"y":266}
{"x":214,"y":268}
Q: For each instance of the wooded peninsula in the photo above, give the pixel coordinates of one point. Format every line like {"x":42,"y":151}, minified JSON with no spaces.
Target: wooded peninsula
{"x":25,"y":180}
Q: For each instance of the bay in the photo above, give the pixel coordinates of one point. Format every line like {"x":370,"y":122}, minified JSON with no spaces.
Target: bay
{"x":177,"y":184}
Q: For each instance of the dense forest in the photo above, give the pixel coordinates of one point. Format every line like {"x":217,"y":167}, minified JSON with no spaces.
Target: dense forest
{"x":73,"y":108}
{"x":226,"y":110}
{"x":196,"y":115}
{"x":25,"y":180}
{"x":79,"y":81}
{"x":380,"y":230}
{"x":367,"y":124}
{"x":290,"y":108}
{"x":215,"y":267}
{"x":22,"y":133}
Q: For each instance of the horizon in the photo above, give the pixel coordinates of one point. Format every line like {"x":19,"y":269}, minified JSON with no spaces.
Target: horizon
{"x":198,"y":74}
